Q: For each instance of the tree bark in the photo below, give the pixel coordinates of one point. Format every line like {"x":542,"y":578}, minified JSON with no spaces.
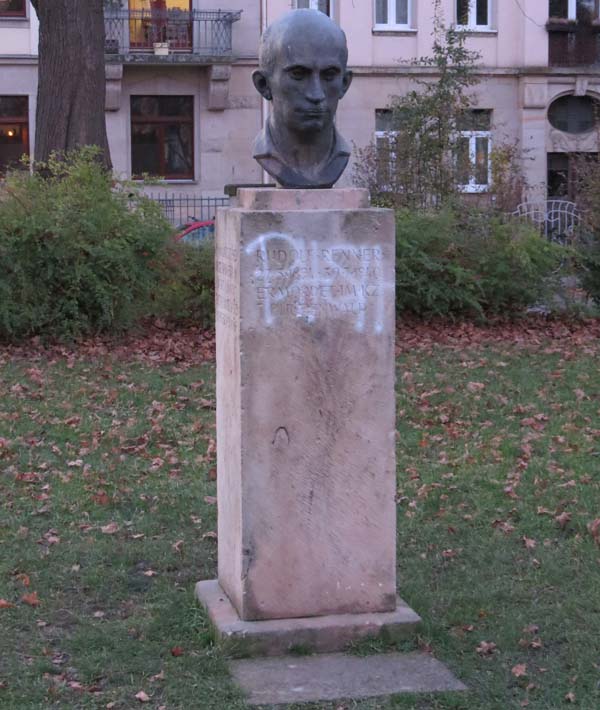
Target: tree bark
{"x":71,"y":80}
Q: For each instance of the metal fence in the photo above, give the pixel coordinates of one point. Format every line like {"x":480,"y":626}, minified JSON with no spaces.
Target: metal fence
{"x":183,"y":209}
{"x":558,"y":220}
{"x":200,"y":32}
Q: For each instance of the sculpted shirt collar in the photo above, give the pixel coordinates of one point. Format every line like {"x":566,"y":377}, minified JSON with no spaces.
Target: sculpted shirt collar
{"x":271,"y":160}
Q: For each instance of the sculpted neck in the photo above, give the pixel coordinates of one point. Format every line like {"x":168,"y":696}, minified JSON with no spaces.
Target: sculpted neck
{"x":303,"y":151}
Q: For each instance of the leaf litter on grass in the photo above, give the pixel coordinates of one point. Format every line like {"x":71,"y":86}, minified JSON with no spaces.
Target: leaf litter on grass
{"x":498,"y":443}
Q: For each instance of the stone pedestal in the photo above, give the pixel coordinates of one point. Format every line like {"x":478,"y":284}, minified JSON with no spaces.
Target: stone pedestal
{"x":305,"y":406}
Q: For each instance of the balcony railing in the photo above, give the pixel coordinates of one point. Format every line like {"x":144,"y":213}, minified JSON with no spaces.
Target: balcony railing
{"x":572,"y":44}
{"x":204,"y":33}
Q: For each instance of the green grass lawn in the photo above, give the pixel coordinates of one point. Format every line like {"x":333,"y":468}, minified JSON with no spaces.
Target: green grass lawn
{"x":107,"y":471}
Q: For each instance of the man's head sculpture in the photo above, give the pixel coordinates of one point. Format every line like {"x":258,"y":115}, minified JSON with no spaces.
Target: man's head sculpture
{"x":303,"y":71}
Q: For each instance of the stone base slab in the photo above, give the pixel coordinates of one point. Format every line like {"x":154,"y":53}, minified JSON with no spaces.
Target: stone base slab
{"x":338,"y":676}
{"x":318,"y":634}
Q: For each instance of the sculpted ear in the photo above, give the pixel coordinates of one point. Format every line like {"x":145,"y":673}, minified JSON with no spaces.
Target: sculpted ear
{"x":261,"y":82}
{"x":346,"y":81}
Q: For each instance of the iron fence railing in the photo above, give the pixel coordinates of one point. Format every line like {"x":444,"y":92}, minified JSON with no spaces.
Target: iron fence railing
{"x":557,"y":220}
{"x":200,"y":32}
{"x":183,"y":209}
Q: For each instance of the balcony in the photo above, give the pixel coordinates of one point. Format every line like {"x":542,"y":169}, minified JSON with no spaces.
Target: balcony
{"x":171,"y":36}
{"x":573,"y":44}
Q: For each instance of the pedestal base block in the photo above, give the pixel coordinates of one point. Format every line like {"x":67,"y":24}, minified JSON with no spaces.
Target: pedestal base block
{"x":339,"y":676}
{"x":318,"y":634}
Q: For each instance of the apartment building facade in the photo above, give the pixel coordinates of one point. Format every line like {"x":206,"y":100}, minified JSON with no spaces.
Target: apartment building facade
{"x":180,"y":101}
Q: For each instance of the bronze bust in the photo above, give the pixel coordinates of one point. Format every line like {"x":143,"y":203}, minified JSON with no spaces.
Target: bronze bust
{"x":303,"y":71}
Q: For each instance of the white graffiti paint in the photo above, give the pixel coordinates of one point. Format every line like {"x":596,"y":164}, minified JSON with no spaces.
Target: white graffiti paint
{"x":301,"y":278}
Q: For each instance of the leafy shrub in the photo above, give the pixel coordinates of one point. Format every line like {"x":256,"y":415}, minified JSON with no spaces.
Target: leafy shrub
{"x":79,"y":252}
{"x":471,"y":264}
{"x":589,"y":265}
{"x":587,"y":242}
{"x":187,"y":290}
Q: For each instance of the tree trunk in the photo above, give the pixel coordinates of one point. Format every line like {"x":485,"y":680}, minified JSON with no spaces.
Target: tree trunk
{"x":71,"y":81}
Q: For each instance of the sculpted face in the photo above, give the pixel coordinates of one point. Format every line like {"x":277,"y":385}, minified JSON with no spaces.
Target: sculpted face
{"x":303,"y":72}
{"x":307,"y":75}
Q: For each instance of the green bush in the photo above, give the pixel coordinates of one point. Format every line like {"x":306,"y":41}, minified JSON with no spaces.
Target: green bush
{"x":470,"y":263}
{"x":187,"y":289}
{"x":79,"y":252}
{"x":588,"y":249}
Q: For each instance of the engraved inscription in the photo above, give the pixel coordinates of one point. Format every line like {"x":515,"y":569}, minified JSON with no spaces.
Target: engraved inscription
{"x":296,"y":278}
{"x":227,"y":307}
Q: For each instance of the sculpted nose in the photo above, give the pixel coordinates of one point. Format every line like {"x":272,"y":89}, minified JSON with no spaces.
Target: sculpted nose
{"x":314,"y":91}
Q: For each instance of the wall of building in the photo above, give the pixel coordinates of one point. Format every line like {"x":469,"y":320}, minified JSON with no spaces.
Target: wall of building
{"x":516,"y":85}
{"x":19,"y":36}
{"x":222,"y":139}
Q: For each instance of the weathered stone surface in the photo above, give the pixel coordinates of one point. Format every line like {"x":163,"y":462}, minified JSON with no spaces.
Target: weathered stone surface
{"x":318,"y":634}
{"x":269,"y":199}
{"x":305,"y":406}
{"x":271,"y":681}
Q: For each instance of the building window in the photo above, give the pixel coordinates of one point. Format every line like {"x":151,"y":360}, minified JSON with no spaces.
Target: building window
{"x":325,"y":6}
{"x":582,"y":10}
{"x":14,"y":130}
{"x":12,"y":8}
{"x":473,"y":14}
{"x":473,"y":148}
{"x":162,"y":136}
{"x":574,"y":114}
{"x":152,"y":21}
{"x":385,"y":141}
{"x":392,"y":13}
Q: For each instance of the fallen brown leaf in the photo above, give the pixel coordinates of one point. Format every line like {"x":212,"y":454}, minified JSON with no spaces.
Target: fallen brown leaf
{"x":31,"y":599}
{"x":594,"y":530}
{"x":519,"y":670}
{"x":110,"y":529}
{"x":486,"y":648}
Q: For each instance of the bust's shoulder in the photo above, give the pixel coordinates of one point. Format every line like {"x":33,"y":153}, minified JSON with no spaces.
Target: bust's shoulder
{"x":263,"y":144}
{"x":342,"y":147}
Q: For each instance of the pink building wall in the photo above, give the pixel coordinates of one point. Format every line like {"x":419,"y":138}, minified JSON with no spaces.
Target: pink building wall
{"x":517,"y":84}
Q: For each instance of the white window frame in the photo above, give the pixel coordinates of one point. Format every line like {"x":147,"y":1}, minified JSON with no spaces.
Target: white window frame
{"x":472,"y":21}
{"x":572,"y":10}
{"x":314,"y":5}
{"x":392,"y":157}
{"x":391,"y":23}
{"x":472,"y":186}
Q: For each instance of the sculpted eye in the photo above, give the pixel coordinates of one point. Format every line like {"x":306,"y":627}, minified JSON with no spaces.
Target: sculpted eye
{"x":330,"y":74}
{"x":297,"y":73}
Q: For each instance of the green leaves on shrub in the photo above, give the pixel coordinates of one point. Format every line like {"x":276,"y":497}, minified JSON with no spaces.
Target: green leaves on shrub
{"x":470,"y":264}
{"x":79,"y":252}
{"x":589,"y":265}
{"x":187,"y":291}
